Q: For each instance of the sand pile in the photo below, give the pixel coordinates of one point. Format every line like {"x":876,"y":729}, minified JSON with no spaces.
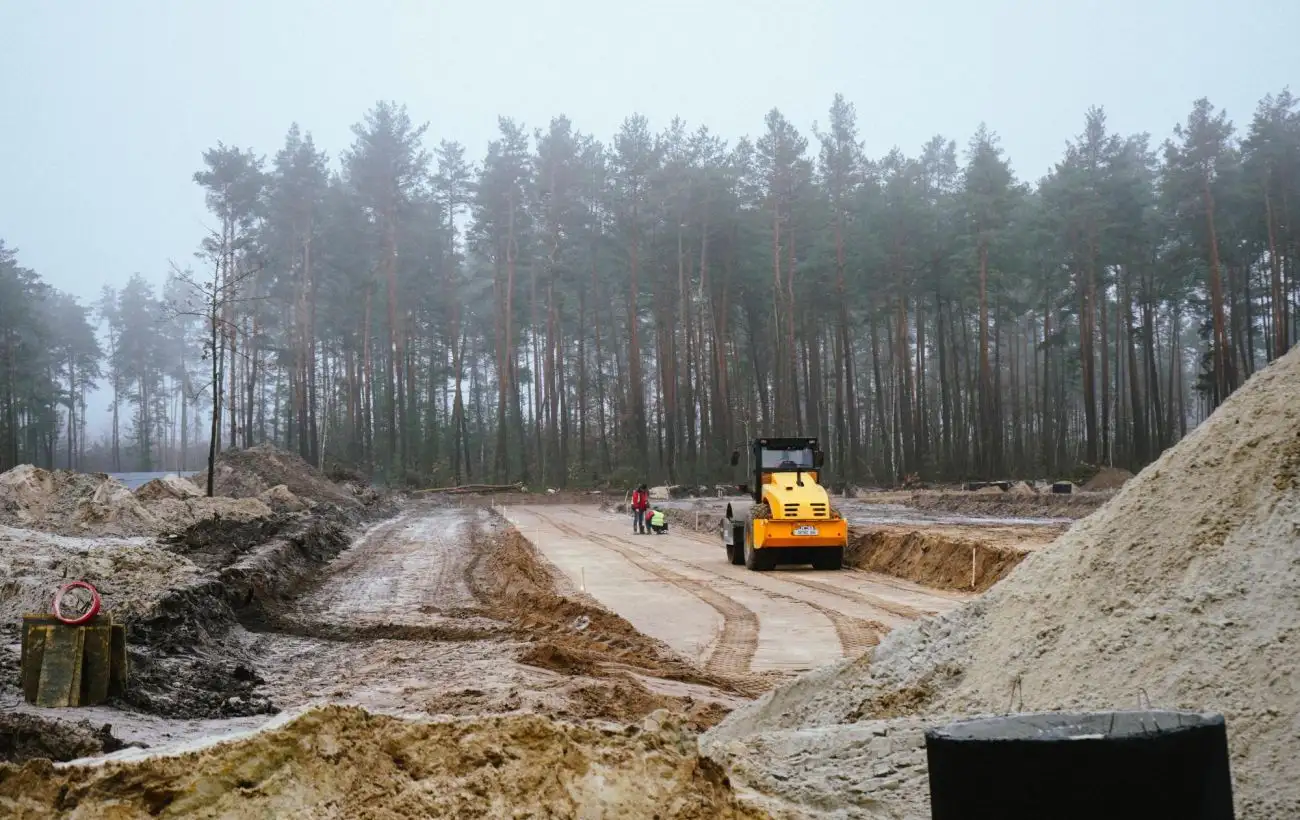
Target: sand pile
{"x":257,"y":470}
{"x":1022,"y":489}
{"x":344,"y":762}
{"x":1184,"y":588}
{"x":281,"y":499}
{"x":1108,"y":478}
{"x":70,"y":503}
{"x":173,"y":515}
{"x":171,"y":486}
{"x":94,"y":505}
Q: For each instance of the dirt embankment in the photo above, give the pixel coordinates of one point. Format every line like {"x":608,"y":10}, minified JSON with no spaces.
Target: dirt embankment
{"x":183,"y":665}
{"x":1182,"y":590}
{"x":344,"y":762}
{"x":960,"y":558}
{"x":964,"y":559}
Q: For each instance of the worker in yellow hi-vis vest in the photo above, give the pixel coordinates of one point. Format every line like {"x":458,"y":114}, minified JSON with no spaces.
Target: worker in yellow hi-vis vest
{"x":658,"y":523}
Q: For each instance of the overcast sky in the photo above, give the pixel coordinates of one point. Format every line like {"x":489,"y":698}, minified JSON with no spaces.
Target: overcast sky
{"x":107,"y":105}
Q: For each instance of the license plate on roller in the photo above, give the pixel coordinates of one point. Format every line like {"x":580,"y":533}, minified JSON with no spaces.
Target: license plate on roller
{"x":805,"y":530}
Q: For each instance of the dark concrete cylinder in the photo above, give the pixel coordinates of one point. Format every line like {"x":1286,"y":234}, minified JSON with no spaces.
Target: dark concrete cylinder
{"x":1070,"y":766}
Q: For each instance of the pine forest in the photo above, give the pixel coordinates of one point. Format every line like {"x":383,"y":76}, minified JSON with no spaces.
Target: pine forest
{"x":571,"y":310}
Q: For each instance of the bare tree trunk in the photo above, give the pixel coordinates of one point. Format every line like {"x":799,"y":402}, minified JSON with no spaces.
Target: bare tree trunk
{"x":1278,"y":304}
{"x":1225,"y":379}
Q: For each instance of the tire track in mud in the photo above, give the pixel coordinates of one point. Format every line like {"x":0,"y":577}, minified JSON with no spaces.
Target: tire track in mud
{"x":738,"y":642}
{"x":892,"y":607}
{"x":855,"y":635}
{"x":403,"y":579}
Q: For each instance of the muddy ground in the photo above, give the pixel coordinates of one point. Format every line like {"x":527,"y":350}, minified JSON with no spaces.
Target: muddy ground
{"x":442,"y":609}
{"x":441,"y":612}
{"x":432,"y":608}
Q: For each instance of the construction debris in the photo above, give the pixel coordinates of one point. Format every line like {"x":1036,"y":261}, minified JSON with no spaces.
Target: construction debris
{"x":72,"y":665}
{"x":1181,"y":591}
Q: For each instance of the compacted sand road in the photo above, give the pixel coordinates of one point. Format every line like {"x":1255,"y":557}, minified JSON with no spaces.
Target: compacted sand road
{"x":679,"y":588}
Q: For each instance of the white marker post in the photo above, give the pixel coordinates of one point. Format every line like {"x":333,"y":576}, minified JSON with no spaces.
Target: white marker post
{"x":582,"y":572}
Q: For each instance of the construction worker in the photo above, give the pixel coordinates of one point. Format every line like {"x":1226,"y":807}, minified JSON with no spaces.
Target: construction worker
{"x":640,"y":503}
{"x":658,"y":523}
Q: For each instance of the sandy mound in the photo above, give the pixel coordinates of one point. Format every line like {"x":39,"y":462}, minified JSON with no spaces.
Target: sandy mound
{"x":343,"y":762}
{"x":1108,"y":478}
{"x":172,"y":486}
{"x":1184,"y":589}
{"x":70,"y":503}
{"x":252,"y":472}
{"x":174,"y":514}
{"x":1022,"y":489}
{"x":95,"y":505}
{"x":281,"y":499}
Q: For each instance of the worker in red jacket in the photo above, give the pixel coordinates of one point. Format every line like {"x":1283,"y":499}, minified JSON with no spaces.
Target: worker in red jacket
{"x":640,"y":503}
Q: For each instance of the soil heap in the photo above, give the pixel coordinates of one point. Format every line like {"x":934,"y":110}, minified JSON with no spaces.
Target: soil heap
{"x":259,"y":471}
{"x":1108,"y":478}
{"x":1184,"y":589}
{"x":95,"y":505}
{"x":345,"y":762}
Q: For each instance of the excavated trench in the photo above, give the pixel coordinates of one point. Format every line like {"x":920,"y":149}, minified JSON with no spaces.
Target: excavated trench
{"x":183,"y":662}
{"x":284,"y":599}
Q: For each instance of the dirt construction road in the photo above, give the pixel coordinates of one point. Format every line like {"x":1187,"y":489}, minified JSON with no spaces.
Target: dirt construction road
{"x":680,"y":589}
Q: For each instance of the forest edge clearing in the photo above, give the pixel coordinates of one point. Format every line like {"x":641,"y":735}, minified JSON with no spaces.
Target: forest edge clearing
{"x":513,"y":621}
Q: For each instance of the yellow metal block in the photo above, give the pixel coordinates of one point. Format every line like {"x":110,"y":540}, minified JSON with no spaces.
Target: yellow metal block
{"x":60,"y":683}
{"x":831,"y":532}
{"x":72,"y":665}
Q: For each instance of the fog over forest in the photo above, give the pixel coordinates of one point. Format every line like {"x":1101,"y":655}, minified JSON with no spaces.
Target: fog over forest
{"x":592,"y":246}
